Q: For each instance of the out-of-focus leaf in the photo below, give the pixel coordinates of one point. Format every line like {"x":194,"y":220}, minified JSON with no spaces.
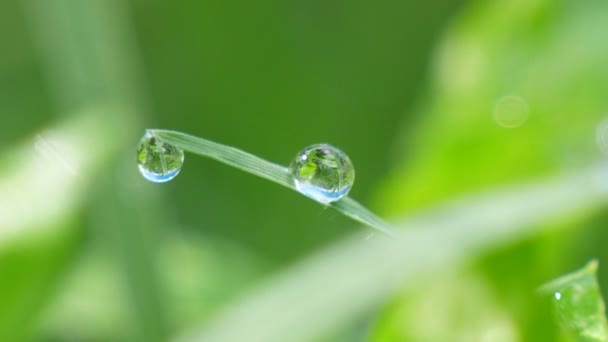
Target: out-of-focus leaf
{"x":447,"y":307}
{"x":579,"y":305}
{"x":29,"y":271}
{"x":41,"y":191}
{"x":518,"y":91}
{"x":540,"y":57}
{"x":88,"y":48}
{"x":199,"y":274}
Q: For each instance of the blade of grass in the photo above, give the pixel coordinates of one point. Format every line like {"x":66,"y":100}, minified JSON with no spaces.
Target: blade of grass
{"x":353,"y":275}
{"x":262,"y":168}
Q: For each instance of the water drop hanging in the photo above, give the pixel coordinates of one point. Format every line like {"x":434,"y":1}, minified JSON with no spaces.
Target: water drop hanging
{"x":157,"y":160}
{"x":323,"y":172}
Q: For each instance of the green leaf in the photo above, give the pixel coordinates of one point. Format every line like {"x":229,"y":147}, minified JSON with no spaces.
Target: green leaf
{"x":545,"y":54}
{"x":578,"y":303}
{"x":262,"y":168}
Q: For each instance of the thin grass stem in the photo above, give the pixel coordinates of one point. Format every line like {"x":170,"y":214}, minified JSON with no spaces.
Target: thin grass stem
{"x":255,"y":165}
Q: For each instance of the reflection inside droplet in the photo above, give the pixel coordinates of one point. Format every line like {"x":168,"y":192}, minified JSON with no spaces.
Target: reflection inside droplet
{"x":157,"y":160}
{"x":511,"y":111}
{"x":558,"y":295}
{"x":323,"y":172}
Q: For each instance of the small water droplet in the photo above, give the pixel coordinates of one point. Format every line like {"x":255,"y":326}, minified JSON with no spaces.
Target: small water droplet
{"x":558,"y":295}
{"x":511,"y":111}
{"x":323,"y":172}
{"x":157,"y":160}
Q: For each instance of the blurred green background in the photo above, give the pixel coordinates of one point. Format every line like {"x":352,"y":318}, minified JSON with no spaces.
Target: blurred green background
{"x":415,"y":92}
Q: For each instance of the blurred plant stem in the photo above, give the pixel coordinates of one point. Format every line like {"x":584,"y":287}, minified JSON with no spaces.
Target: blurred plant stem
{"x":88,"y":48}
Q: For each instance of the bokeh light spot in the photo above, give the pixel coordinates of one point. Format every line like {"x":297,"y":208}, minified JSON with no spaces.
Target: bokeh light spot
{"x":511,"y":111}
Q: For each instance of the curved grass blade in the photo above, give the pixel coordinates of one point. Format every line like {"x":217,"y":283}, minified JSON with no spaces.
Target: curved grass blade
{"x":262,"y":168}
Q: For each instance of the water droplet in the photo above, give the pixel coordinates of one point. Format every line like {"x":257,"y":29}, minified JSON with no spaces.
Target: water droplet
{"x":558,"y":295}
{"x":323,"y":172}
{"x":157,"y":160}
{"x":511,"y":111}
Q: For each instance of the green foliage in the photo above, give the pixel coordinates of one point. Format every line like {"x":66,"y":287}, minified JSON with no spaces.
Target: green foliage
{"x":31,"y":269}
{"x":460,"y":307}
{"x":578,"y":304}
{"x":543,"y":52}
{"x":508,"y":126}
{"x":543,"y":57}
{"x":40,"y":222}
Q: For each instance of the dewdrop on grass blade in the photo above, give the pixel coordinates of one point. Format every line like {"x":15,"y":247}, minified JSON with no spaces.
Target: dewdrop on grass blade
{"x":323,"y":172}
{"x":157,"y":160}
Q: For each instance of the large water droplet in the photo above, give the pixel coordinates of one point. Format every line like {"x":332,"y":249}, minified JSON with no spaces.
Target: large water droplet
{"x":323,"y":172}
{"x":157,"y":160}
